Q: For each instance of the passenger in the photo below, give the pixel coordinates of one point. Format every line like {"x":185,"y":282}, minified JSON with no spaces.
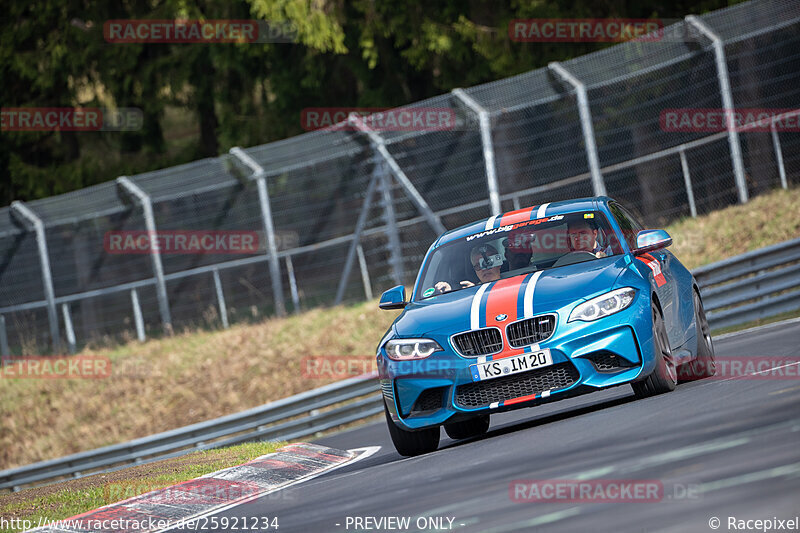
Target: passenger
{"x":486,"y":262}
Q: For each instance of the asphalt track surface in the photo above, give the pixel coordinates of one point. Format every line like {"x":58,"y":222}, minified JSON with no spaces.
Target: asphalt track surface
{"x":720,"y":448}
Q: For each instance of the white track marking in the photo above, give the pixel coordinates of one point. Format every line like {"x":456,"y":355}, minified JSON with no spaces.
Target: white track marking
{"x":366,"y":451}
{"x":475,"y":311}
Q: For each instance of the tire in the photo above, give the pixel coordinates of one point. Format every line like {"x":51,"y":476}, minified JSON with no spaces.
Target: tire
{"x":465,"y":429}
{"x":411,"y":443}
{"x":704,"y":364}
{"x":664,"y":377}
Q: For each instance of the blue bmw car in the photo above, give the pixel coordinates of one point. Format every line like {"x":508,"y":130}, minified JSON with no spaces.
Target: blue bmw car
{"x":533,"y":306}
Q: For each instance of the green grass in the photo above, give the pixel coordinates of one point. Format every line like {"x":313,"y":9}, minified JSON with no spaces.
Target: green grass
{"x":73,"y":497}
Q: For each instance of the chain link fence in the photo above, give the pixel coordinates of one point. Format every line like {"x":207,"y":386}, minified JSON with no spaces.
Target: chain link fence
{"x":344,"y":214}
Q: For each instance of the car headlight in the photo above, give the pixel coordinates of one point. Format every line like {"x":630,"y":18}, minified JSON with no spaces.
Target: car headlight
{"x":407,"y":349}
{"x":604,"y":305}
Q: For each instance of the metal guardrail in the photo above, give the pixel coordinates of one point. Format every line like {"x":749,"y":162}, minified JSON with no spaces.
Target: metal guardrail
{"x":751,"y":286}
{"x":735,"y":291}
{"x":288,"y":418}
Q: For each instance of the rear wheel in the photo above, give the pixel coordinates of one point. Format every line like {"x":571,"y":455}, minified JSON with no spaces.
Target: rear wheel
{"x":410,"y":443}
{"x":703,"y":365}
{"x":664,"y":377}
{"x":467,"y":428}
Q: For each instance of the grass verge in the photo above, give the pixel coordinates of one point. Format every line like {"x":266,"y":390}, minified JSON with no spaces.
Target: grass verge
{"x":75,"y":496}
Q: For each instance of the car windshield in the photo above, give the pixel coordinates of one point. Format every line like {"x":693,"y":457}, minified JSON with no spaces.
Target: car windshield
{"x":517,"y":249}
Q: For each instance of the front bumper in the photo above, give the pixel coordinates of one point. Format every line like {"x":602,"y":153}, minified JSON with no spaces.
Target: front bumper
{"x":587,"y":356}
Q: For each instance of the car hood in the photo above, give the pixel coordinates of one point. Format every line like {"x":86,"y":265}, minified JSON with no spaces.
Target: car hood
{"x":556,"y":287}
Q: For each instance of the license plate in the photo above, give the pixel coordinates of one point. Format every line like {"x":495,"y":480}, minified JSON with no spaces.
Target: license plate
{"x":511,"y":365}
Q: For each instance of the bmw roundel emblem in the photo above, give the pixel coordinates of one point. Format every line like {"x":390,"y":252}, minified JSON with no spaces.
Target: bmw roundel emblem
{"x":500,"y":318}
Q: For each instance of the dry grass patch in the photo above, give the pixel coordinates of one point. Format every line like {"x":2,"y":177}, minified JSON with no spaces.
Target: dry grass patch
{"x":167,"y":383}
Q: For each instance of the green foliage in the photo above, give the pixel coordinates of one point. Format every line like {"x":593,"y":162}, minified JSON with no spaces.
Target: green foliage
{"x":198,"y":100}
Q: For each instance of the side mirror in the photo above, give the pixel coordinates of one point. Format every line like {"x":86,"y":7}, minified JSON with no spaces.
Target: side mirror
{"x":651,"y":239}
{"x":394,"y":298}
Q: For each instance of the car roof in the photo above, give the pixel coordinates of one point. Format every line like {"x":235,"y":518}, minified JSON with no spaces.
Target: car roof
{"x":553,"y":208}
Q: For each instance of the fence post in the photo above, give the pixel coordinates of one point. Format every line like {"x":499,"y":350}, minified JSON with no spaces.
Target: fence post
{"x":44,"y":262}
{"x":393,"y":236}
{"x":687,"y":180}
{"x":293,"y":284}
{"x":223,"y":309}
{"x":413,"y":194}
{"x":354,"y":244}
{"x":598,"y":184}
{"x":137,"y":316}
{"x":68,"y":328}
{"x":4,"y":351}
{"x":155,"y":252}
{"x":727,"y":103}
{"x":260,"y":177}
{"x":362,"y":264}
{"x":484,"y":120}
{"x":776,"y":143}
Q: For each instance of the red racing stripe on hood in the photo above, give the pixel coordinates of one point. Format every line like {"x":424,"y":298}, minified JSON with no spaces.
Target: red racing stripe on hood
{"x":502,"y":300}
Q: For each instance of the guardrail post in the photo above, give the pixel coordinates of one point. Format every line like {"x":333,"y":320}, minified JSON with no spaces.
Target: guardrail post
{"x":293,"y":284}
{"x":351,"y":252}
{"x":223,"y":309}
{"x":598,"y":184}
{"x":776,"y":143}
{"x":393,"y":236}
{"x":416,"y":198}
{"x":68,"y":328}
{"x":260,"y":177}
{"x":155,"y":251}
{"x":484,"y":120}
{"x":137,"y":316}
{"x":44,"y":262}
{"x":687,"y":180}
{"x":727,"y":103}
{"x":362,"y":264}
{"x":4,"y":351}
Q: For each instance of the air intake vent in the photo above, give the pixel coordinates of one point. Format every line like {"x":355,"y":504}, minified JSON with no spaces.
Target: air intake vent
{"x":531,"y":330}
{"x":484,"y":341}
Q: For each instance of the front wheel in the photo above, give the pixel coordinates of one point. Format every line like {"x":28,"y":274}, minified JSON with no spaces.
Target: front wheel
{"x":410,"y":443}
{"x":703,"y":365}
{"x":664,"y":377}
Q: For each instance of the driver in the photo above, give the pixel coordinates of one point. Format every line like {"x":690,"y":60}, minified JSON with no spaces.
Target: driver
{"x":582,"y":235}
{"x":486,"y":262}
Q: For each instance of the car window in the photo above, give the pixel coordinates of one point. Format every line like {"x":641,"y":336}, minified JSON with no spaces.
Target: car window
{"x":627,"y":222}
{"x":517,"y":249}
